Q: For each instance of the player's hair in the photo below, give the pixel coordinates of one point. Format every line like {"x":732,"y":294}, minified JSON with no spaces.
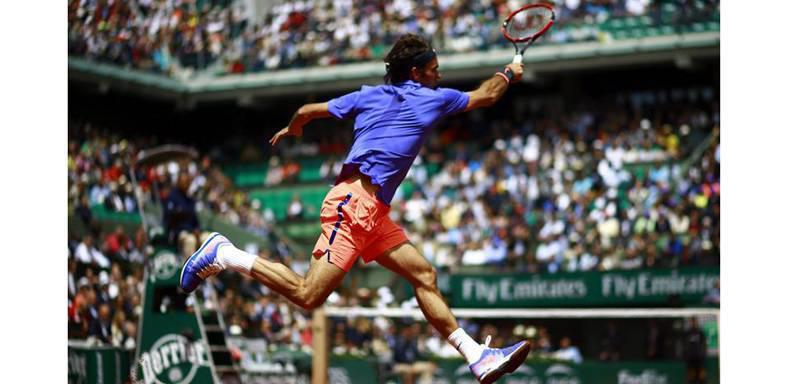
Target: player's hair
{"x":402,"y":57}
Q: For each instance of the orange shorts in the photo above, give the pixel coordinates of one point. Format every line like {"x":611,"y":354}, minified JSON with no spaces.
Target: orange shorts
{"x":355,"y":223}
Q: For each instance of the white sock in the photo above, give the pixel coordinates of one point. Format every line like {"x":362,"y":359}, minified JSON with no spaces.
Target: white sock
{"x":236,"y":259}
{"x":468,"y":347}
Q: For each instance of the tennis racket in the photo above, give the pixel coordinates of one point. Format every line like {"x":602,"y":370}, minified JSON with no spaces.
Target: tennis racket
{"x":525,"y":25}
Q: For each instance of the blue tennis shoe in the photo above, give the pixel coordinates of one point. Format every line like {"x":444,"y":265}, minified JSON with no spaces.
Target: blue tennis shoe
{"x":203,"y":263}
{"x":496,"y":362}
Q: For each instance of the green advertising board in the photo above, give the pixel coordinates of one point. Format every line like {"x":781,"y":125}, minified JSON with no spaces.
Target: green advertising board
{"x":589,"y":289}
{"x":455,"y":371}
{"x":285,"y":366}
{"x":171,"y":349}
{"x":347,"y":369}
{"x":98,"y":365}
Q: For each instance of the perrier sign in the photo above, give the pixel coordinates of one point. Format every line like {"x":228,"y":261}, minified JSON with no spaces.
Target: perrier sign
{"x":171,"y":348}
{"x":601,"y":289}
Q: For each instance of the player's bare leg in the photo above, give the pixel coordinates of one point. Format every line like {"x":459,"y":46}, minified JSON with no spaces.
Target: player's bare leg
{"x":407,"y":262}
{"x":217,"y":254}
{"x":487,"y":364}
{"x":308,"y":292}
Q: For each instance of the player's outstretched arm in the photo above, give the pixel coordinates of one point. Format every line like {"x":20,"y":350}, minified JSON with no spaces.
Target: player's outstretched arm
{"x":492,"y":89}
{"x":303,"y":116}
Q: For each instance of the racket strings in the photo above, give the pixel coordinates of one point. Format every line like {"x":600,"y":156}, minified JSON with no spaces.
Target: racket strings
{"x":528,"y":22}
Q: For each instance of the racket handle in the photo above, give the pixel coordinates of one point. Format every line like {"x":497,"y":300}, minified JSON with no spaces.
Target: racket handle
{"x":517,"y":59}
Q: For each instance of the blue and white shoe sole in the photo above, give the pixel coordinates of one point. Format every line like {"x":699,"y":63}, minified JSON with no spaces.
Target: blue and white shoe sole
{"x":516,"y":359}
{"x":209,"y":240}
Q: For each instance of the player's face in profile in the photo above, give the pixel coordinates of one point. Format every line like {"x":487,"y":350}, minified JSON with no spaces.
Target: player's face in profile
{"x":429,"y":75}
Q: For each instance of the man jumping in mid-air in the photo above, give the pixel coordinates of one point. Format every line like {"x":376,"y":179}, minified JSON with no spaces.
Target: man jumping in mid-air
{"x":391,"y":123}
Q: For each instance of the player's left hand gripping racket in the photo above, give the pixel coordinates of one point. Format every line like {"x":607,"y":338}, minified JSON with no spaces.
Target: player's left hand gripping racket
{"x":525,"y":25}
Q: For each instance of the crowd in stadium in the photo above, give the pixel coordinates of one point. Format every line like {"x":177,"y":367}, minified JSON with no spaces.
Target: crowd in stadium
{"x":171,"y":36}
{"x":104,"y":307}
{"x":99,"y":166}
{"x":159,"y":36}
{"x":556,"y":203}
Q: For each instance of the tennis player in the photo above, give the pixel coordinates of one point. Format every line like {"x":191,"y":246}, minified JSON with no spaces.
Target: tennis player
{"x":391,"y":123}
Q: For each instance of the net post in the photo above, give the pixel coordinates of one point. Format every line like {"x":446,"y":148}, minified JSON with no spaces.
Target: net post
{"x":319,"y":358}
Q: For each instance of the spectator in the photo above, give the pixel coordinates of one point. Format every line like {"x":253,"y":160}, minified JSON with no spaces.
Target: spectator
{"x":100,"y":326}
{"x":118,"y":334}
{"x":130,"y":330}
{"x":87,"y":253}
{"x":83,"y":211}
{"x":291,"y":171}
{"x":117,"y":244}
{"x":275,"y":173}
{"x":567,"y":351}
{"x":80,"y":310}
{"x":295,"y":209}
{"x":72,"y":279}
{"x":409,"y":360}
{"x":543,"y":344}
{"x":103,"y":294}
{"x":359,"y":336}
{"x":180,"y":218}
{"x":339,"y":339}
{"x":380,"y":346}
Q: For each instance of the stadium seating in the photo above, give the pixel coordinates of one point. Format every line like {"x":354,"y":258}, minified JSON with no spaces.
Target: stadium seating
{"x":294,"y":34}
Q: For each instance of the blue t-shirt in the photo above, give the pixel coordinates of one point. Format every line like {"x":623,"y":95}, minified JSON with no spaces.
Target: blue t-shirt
{"x":391,"y":125}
